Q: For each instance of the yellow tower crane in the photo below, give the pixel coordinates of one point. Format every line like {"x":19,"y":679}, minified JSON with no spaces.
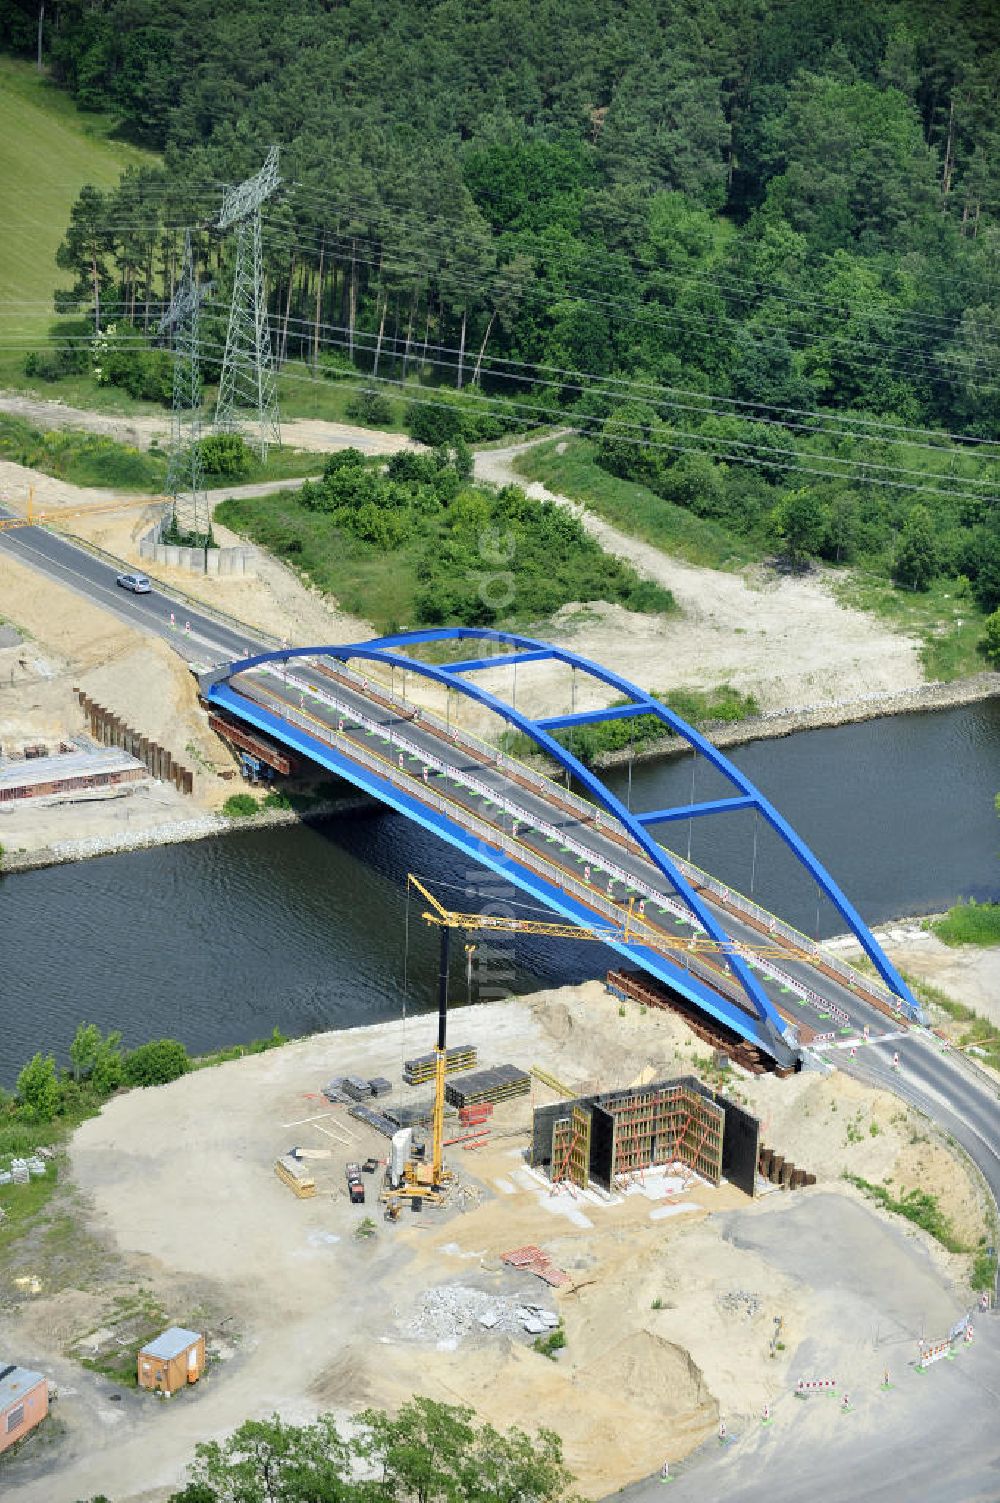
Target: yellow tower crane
{"x":418,"y":1180}
{"x":32,"y":518}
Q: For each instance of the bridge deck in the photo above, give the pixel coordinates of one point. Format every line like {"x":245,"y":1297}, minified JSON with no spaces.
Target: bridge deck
{"x":575,"y":859}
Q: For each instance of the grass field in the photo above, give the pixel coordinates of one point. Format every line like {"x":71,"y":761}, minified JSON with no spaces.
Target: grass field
{"x":48,"y":151}
{"x":970,"y":924}
{"x":946,"y":619}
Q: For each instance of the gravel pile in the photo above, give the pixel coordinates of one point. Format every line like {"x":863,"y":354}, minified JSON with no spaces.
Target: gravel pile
{"x":740,"y":1302}
{"x":451,"y":1312}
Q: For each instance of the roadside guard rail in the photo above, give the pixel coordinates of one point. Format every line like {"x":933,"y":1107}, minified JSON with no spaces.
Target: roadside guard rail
{"x":491,"y":834}
{"x":728,"y":897}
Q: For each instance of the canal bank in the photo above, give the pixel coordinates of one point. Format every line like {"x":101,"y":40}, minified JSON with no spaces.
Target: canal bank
{"x":821,"y":716}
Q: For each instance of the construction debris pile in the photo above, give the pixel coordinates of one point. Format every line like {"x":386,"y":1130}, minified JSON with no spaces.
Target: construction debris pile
{"x":449,"y":1313}
{"x":740,"y":1302}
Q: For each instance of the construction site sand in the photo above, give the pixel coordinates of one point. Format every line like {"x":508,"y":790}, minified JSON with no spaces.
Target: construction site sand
{"x":178,"y":1182}
{"x":69,"y":643}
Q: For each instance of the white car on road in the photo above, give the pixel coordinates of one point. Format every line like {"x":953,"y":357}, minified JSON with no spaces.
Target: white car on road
{"x":137,"y":583}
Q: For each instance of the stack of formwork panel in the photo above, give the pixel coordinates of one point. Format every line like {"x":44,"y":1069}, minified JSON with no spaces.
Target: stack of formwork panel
{"x":418,"y":1071}
{"x":501,"y":1083}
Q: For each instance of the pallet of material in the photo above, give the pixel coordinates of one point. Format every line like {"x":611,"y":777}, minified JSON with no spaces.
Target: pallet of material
{"x":533,"y":1260}
{"x":419,"y":1114}
{"x":500,"y":1083}
{"x":418,"y":1071}
{"x":374,"y":1119}
{"x":295,"y":1176}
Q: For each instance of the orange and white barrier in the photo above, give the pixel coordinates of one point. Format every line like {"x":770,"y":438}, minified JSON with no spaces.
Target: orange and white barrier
{"x":929,"y":1354}
{"x":815,"y":1385}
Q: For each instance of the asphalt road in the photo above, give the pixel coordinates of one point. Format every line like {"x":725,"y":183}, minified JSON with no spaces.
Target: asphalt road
{"x":91,"y":577}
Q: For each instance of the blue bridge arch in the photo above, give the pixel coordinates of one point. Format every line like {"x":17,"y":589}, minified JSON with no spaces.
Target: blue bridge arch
{"x":510,"y":649}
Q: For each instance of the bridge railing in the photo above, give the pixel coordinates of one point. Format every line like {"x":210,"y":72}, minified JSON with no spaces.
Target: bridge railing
{"x":728,"y":896}
{"x":497,"y":837}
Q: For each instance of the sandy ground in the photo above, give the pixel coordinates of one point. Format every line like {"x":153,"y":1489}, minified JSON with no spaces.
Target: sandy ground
{"x":787,"y":640}
{"x":68,"y":643}
{"x":672,"y":1304}
{"x":142,"y":430}
{"x":969,"y":974}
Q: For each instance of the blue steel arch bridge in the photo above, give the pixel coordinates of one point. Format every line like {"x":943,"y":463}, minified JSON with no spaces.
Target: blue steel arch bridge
{"x":578,"y":850}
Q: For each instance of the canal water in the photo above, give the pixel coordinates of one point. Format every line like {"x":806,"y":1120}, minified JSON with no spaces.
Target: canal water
{"x":308,"y":927}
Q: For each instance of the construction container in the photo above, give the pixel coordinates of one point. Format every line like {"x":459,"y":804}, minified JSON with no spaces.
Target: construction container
{"x":171,"y":1361}
{"x":24,"y":1403}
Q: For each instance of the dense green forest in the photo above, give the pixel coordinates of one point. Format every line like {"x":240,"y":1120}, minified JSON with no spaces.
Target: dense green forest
{"x":752,"y":245}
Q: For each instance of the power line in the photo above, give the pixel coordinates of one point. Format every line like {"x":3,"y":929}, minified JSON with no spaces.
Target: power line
{"x":703,"y":444}
{"x":626,"y":388}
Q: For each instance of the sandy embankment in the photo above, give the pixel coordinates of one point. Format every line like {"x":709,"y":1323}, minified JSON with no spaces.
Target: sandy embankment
{"x":668,"y":1322}
{"x":68,"y":643}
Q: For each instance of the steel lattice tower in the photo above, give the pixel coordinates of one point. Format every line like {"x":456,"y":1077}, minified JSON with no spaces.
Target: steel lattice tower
{"x":247,"y":384}
{"x":185,"y":481}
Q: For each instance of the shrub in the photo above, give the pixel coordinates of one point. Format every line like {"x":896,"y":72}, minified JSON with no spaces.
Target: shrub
{"x":434,"y":423}
{"x":156,"y":1063}
{"x":334,"y":366}
{"x":371,"y":408}
{"x":240,"y":806}
{"x":38,"y":1087}
{"x":343,"y":459}
{"x":226,"y":455}
{"x":108,"y":1073}
{"x":991,"y":638}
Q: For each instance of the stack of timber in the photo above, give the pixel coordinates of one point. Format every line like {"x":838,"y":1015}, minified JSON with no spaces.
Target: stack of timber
{"x":648,"y":992}
{"x":418,"y":1071}
{"x":501,"y":1083}
{"x":295,"y":1175}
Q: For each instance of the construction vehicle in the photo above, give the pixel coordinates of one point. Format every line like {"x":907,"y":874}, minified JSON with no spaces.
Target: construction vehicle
{"x":355,"y":1185}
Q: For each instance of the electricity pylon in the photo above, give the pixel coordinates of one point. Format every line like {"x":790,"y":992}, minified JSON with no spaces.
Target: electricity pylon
{"x":185,"y":479}
{"x":247,"y":385}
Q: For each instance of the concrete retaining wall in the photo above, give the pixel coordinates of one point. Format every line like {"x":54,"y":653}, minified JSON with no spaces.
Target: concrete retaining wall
{"x":232,"y":562}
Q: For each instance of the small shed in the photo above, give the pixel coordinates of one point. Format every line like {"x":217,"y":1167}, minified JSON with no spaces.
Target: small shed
{"x":24,"y":1402}
{"x":172,"y":1360}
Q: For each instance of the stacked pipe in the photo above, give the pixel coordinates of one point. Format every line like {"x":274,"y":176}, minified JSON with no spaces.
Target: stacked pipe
{"x":111,"y":730}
